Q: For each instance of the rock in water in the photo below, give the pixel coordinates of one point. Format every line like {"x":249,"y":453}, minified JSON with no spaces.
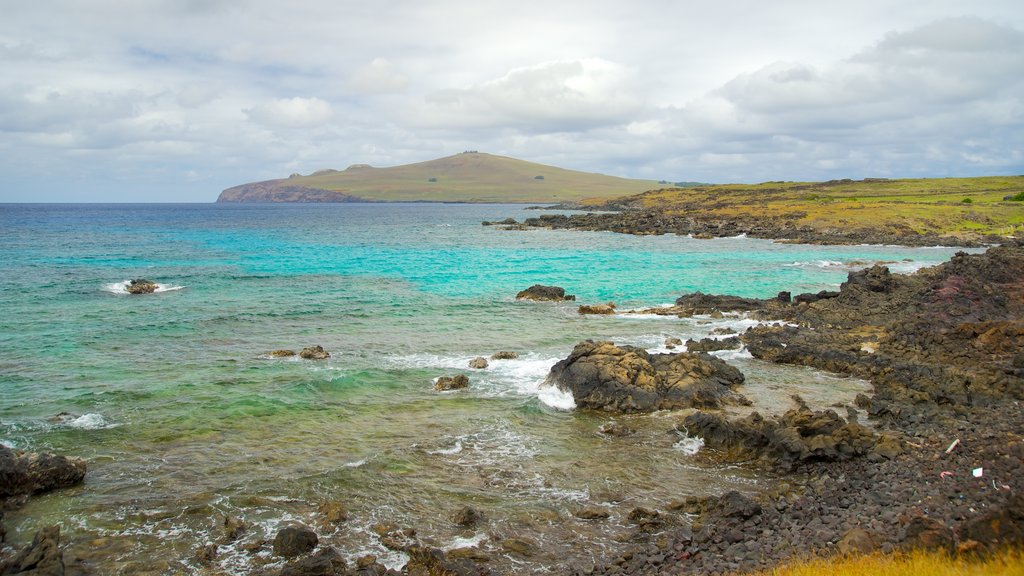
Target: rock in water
{"x":141,"y":286}
{"x":478,"y":363}
{"x":314,"y":353}
{"x":451,"y":382}
{"x":608,"y":308}
{"x":294,"y":540}
{"x":467,"y":516}
{"x":603,"y":376}
{"x":42,"y":557}
{"x":538,"y":292}
{"x":29,"y":473}
{"x":504,"y":355}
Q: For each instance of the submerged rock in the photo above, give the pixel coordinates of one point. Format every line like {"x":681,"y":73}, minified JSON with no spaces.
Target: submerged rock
{"x":504,"y":355}
{"x":42,"y":557}
{"x":141,"y":286}
{"x":456,"y":382}
{"x":539,"y":292}
{"x":30,"y":473}
{"x":467,"y":516}
{"x":280,"y":354}
{"x":603,"y":376}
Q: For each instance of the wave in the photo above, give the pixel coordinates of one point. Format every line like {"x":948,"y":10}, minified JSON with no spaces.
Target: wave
{"x":121,"y":288}
{"x":90,"y":421}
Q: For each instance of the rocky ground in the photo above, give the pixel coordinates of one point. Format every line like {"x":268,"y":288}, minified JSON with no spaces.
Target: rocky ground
{"x":783,"y":228}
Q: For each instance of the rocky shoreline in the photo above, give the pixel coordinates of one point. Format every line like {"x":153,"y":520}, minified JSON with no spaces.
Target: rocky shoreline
{"x":940,"y":464}
{"x":943,"y":350}
{"x":648,"y":221}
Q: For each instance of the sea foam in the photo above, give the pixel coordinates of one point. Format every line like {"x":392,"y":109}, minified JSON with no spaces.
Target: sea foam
{"x":121,"y":288}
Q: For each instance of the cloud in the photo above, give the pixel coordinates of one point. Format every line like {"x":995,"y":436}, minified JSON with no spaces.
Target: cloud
{"x":378,"y":77}
{"x":291,"y":113}
{"x":562,"y":95}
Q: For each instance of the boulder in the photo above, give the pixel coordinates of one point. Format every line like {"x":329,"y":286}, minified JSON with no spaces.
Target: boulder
{"x":592,"y":513}
{"x":295,"y":540}
{"x":314,"y":353}
{"x":234,"y":528}
{"x":141,"y":286}
{"x":1001,"y":527}
{"x":326,"y":562}
{"x":478,"y":363}
{"x":42,"y":557}
{"x":538,"y":292}
{"x":608,"y":308}
{"x":280,"y":353}
{"x":30,"y":473}
{"x":424,"y":561}
{"x":924,"y":533}
{"x":856,"y":541}
{"x":456,"y":382}
{"x":333,"y":512}
{"x":504,"y":355}
{"x":603,"y":376}
{"x":673,"y":343}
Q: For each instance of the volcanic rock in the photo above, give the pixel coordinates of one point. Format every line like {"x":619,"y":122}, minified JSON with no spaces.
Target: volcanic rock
{"x":608,"y":308}
{"x":294,"y":540}
{"x":30,"y":473}
{"x":603,"y":376}
{"x":141,"y":286}
{"x":539,"y":292}
{"x":713,"y":344}
{"x":456,"y":382}
{"x":42,"y":557}
{"x":504,"y":355}
{"x":478,"y":363}
{"x":314,"y":353}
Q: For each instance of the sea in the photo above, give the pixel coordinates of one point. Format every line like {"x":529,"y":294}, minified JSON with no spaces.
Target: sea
{"x":185,"y":420}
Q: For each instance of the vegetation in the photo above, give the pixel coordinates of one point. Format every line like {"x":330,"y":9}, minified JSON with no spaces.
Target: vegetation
{"x":467,"y":177}
{"x":923,"y":205}
{"x":1009,"y":562}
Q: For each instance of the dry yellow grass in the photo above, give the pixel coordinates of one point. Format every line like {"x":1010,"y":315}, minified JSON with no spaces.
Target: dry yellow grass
{"x":918,"y":563}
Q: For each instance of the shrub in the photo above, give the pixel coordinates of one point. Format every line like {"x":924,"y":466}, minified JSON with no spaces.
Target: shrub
{"x":966,"y":201}
{"x":1018,"y":197}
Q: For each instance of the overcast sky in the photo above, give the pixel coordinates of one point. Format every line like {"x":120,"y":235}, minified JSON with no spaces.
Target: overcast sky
{"x":148,"y":100}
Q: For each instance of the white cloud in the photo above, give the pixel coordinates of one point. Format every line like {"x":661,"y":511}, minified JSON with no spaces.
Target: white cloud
{"x":378,"y":77}
{"x":291,"y":112}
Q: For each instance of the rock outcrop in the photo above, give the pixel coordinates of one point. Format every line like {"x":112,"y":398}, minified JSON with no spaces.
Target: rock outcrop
{"x":141,"y":286}
{"x":608,"y":308}
{"x":457,"y":382}
{"x":603,"y":376}
{"x":314,"y":353}
{"x":295,"y":540}
{"x":544,"y":293}
{"x":31,"y":473}
{"x":43,"y":557}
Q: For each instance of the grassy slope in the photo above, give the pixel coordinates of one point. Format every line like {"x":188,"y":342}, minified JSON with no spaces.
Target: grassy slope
{"x":473,"y":177}
{"x":924,"y":205}
{"x":1006,"y":563}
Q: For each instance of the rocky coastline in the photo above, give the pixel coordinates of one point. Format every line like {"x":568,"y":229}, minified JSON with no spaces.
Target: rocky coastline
{"x":786,"y":228}
{"x":938,"y":464}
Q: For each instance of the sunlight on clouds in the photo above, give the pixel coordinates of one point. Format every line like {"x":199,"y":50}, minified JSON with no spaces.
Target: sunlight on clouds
{"x":378,"y":77}
{"x":291,"y":112}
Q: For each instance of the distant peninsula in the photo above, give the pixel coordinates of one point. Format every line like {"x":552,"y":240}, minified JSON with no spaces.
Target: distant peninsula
{"x":467,"y":177}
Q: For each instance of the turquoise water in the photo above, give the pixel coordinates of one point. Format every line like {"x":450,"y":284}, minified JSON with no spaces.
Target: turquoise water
{"x":182,"y":421}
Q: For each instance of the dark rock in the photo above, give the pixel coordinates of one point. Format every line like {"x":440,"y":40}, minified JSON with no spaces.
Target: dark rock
{"x":42,"y":557}
{"x":456,"y":382}
{"x":326,"y":562}
{"x":207,"y":554}
{"x":608,"y":308}
{"x":601,"y":375}
{"x":478,"y":363}
{"x":808,"y":298}
{"x":928,"y":534}
{"x":294,"y":540}
{"x":333,"y":512}
{"x":700,"y":303}
{"x":1002,"y":527}
{"x":504,"y":355}
{"x":467,"y":516}
{"x":538,"y":292}
{"x":784,"y":297}
{"x":672,"y":343}
{"x":433,"y":562}
{"x":141,"y":286}
{"x":735,"y":505}
{"x":31,"y":473}
{"x":314,"y":353}
{"x":713,"y":344}
{"x":617,"y":429}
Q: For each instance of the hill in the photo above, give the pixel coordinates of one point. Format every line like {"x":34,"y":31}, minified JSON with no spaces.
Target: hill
{"x":466,"y":177}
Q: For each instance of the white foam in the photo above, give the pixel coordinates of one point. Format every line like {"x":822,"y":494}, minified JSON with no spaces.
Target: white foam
{"x":355,"y":464}
{"x":460,"y":542}
{"x":448,"y":451}
{"x":89,"y":422}
{"x":741,"y":354}
{"x":121,"y":288}
{"x":688,"y":445}
{"x":555,"y":398}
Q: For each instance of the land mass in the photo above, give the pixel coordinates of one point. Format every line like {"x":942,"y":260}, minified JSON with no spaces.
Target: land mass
{"x":465,"y":177}
{"x":911,"y":212}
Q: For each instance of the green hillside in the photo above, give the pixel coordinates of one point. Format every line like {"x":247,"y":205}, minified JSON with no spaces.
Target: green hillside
{"x":466,"y":177}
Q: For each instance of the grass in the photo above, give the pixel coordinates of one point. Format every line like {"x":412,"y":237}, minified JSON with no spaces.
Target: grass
{"x":1006,"y":563}
{"x":960,"y":207}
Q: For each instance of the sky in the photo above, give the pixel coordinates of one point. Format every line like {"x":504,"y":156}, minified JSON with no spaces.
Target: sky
{"x":175,"y":100}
